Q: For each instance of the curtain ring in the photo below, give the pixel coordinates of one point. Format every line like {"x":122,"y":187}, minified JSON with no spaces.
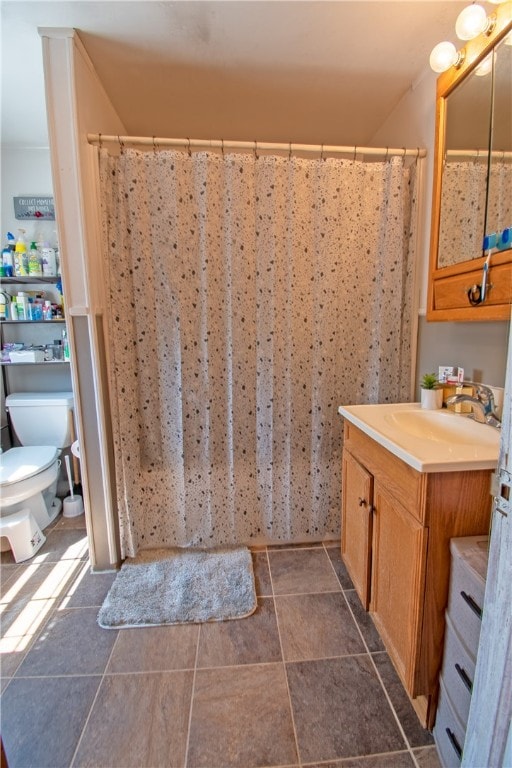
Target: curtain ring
{"x":121,"y":144}
{"x":222,"y":146}
{"x":322,"y":152}
{"x":355,"y":153}
{"x":387,"y":155}
{"x":256,"y":156}
{"x":155,"y":145}
{"x":100,"y":143}
{"x":188,"y":148}
{"x":418,"y":154}
{"x":289,"y":150}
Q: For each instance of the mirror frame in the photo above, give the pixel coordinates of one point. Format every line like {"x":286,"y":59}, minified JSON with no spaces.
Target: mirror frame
{"x":474,"y":52}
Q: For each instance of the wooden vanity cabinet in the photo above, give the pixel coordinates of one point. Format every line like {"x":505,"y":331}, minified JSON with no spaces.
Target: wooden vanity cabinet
{"x":395,"y":546}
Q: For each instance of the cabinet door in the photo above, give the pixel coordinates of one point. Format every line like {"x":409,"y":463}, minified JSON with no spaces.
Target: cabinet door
{"x":398,"y":582}
{"x":356,"y":524}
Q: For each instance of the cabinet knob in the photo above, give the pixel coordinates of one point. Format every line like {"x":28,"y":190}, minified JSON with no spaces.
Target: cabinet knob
{"x":362,"y":502}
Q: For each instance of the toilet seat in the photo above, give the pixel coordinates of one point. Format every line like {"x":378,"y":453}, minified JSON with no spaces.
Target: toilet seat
{"x":18,"y":464}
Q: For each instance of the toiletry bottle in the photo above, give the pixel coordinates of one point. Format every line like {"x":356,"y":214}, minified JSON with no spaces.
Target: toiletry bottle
{"x":14,"y":308}
{"x":20,"y":256}
{"x":58,"y":286}
{"x":35,"y":262}
{"x":8,"y":255}
{"x":4,"y":306}
{"x":49,"y":261}
{"x":47,"y":310}
{"x":23,"y":306}
{"x":65,"y":344}
{"x":505,"y":239}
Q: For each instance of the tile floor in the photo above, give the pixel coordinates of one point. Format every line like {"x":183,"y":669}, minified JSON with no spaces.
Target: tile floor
{"x":305,"y":681}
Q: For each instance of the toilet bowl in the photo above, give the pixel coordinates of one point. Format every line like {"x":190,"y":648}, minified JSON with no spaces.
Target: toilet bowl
{"x":28,"y":478}
{"x":28,"y":483}
{"x":29,"y":474}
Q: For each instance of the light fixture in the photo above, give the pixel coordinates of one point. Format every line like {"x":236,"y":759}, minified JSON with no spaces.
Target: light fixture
{"x":471,"y":22}
{"x":484,"y":67}
{"x":444,"y":56}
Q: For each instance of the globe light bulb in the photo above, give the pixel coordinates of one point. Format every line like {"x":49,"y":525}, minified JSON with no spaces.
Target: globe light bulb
{"x":470,"y":22}
{"x":484,"y":67}
{"x":443,"y":56}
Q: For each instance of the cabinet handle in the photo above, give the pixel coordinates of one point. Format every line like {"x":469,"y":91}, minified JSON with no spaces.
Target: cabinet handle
{"x":455,"y":744}
{"x":362,"y":502}
{"x":464,"y":677}
{"x":474,"y":606}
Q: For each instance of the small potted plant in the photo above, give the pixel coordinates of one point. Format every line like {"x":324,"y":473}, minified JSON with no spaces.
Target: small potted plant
{"x":431,"y":392}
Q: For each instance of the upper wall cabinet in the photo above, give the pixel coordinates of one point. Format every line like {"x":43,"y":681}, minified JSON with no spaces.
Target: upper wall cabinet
{"x":471,"y":279}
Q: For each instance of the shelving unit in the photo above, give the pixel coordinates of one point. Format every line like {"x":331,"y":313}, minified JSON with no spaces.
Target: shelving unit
{"x":47,"y":375}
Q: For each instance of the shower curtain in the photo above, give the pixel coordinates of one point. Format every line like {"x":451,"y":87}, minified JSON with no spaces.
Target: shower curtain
{"x":249,"y":298}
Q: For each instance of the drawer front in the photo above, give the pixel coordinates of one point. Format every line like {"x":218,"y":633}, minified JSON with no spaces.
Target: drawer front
{"x":448,"y":732}
{"x":458,"y":672}
{"x":452,"y":292}
{"x":465,"y":601}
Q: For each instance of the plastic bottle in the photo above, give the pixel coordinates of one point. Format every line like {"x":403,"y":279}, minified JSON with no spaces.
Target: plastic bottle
{"x":58,"y":286}
{"x":505,"y":239}
{"x":35,"y":261}
{"x":49,"y":261}
{"x":47,"y":311}
{"x":14,"y":308}
{"x":20,"y":256}
{"x":4,"y":306}
{"x":8,"y":255}
{"x":65,"y":345}
{"x":23,"y":306}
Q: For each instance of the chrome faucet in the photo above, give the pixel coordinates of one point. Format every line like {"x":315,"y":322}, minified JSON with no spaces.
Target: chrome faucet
{"x":482,"y":403}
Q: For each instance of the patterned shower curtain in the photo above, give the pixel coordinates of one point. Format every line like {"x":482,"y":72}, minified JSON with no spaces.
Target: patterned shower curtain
{"x":249,"y":298}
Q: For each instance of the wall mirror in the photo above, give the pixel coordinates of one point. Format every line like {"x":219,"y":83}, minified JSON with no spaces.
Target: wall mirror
{"x":472,"y":193}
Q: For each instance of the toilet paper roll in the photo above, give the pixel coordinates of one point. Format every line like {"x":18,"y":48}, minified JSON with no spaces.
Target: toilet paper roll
{"x":75,"y":449}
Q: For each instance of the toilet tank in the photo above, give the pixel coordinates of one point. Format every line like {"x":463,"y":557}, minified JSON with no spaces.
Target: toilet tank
{"x":41,"y":418}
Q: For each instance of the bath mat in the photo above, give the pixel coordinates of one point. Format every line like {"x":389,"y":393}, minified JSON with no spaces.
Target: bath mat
{"x":177,"y":586}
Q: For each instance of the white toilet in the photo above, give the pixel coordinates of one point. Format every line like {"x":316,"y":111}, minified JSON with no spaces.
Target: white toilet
{"x":29,"y":474}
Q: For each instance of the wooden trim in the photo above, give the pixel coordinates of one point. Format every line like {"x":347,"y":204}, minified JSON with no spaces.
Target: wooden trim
{"x":475,"y":51}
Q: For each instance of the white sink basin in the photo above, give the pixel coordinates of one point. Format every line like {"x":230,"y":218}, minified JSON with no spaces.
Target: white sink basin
{"x":429,"y":441}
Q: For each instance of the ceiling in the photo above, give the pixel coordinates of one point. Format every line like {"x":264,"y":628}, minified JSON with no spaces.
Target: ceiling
{"x":311,"y":72}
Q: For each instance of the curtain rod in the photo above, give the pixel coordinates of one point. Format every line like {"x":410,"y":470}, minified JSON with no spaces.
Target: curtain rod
{"x":189,"y":144}
{"x":498,"y":154}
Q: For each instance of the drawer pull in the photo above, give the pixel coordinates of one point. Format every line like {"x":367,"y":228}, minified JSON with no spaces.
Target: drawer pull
{"x":474,"y":606}
{"x":362,"y":502}
{"x":455,"y":744}
{"x":464,"y":677}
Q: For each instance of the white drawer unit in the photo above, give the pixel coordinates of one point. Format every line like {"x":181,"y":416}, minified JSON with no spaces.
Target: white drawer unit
{"x":449,"y":731}
{"x":469,"y":557}
{"x":458,"y":672}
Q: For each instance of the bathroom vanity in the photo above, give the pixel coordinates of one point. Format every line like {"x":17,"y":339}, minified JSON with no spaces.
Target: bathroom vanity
{"x":404,"y":497}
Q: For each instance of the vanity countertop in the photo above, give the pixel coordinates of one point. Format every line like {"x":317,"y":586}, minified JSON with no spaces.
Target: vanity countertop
{"x":428,"y":441}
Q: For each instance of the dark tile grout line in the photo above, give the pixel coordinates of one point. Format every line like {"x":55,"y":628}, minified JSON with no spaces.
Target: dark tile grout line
{"x":324,"y":547}
{"x":191,"y":706}
{"x":86,"y":721}
{"x":372,"y":662}
{"x":297,"y":750}
{"x":44,"y":624}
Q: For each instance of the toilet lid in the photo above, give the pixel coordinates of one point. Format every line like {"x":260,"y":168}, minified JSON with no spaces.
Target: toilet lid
{"x":18,"y":464}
